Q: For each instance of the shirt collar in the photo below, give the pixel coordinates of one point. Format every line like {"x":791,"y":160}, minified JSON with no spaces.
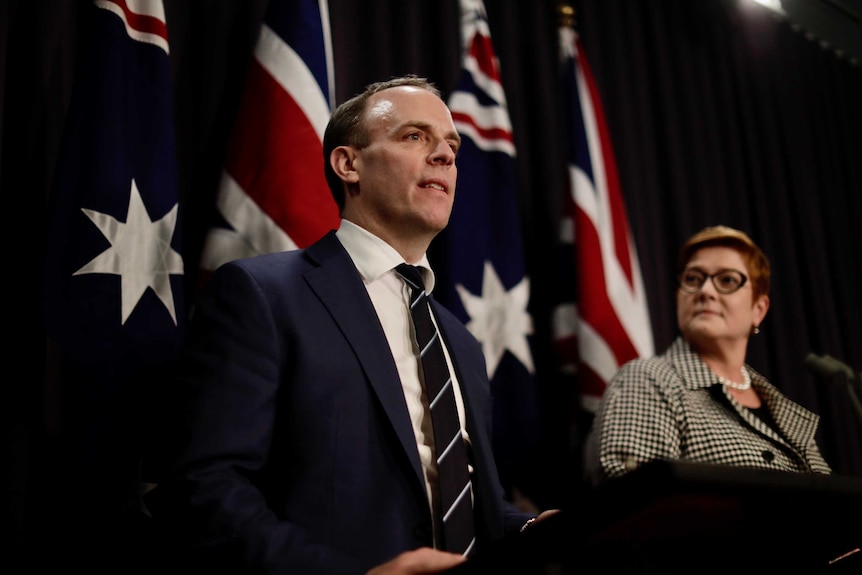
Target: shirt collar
{"x":373,"y":257}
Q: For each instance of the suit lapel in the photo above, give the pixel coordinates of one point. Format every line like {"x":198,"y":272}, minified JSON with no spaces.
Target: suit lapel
{"x":338,"y":285}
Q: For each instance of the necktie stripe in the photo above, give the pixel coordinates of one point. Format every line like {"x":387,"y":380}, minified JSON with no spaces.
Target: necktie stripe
{"x":441,"y":394}
{"x":449,"y":447}
{"x":470,"y":547}
{"x":428,"y":347}
{"x":461,"y":497}
{"x":453,"y":476}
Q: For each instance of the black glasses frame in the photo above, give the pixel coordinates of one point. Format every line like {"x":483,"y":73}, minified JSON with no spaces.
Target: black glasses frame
{"x":719,"y":287}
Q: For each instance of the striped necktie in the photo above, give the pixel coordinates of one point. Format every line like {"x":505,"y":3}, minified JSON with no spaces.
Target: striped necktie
{"x":453,"y":474}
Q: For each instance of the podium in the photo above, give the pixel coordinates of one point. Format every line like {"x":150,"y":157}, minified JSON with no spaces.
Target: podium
{"x":677,"y":517}
{"x":672,"y":517}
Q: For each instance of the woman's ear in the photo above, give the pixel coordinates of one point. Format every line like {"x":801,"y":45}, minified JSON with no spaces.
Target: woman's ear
{"x":343,"y":162}
{"x":761,"y":306}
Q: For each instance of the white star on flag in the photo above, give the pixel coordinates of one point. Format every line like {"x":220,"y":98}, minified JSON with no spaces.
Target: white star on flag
{"x":499,"y":319}
{"x":140,"y":253}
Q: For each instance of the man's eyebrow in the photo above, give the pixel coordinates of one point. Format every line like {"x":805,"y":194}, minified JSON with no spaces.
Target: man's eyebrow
{"x":425,"y":126}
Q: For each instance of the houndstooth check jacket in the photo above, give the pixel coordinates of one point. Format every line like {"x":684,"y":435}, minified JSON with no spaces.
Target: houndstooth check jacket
{"x":672,"y":406}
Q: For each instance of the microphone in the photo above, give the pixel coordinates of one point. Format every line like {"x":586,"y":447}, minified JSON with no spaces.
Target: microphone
{"x":828,"y":366}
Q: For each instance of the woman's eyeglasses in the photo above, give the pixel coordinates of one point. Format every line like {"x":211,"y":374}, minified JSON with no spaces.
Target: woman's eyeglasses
{"x":725,"y":281}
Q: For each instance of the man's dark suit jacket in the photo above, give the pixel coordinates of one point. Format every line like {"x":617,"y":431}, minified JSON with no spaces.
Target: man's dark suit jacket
{"x":300,"y":456}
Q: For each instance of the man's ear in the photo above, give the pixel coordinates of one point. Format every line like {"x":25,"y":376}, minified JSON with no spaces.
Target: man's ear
{"x":342,"y":159}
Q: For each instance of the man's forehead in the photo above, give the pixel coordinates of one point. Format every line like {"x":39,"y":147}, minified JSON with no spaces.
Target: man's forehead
{"x":381,"y":107}
{"x":384,"y":101}
{"x":388,"y":106}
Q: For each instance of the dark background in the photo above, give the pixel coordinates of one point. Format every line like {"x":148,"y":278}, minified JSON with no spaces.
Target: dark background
{"x":719,"y":111}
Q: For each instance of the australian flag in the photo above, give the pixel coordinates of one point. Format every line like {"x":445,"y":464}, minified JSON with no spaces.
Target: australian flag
{"x":113,"y":281}
{"x":479,"y":257}
{"x":273,"y":194}
{"x":112,"y":286}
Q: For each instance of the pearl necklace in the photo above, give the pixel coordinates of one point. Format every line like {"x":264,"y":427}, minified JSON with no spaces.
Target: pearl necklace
{"x":746,"y":381}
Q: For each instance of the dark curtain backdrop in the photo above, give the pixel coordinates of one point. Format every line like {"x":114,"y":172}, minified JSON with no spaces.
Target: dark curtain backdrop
{"x":719,"y":113}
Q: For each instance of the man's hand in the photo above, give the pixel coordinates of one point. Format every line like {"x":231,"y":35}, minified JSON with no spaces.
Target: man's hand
{"x":540,"y":517}
{"x":418,"y":562}
{"x":546,"y":513}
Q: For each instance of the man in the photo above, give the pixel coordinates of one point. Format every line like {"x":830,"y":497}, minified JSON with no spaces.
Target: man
{"x":309,"y":443}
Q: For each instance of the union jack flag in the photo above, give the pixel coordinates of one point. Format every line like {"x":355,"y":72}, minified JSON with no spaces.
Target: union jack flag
{"x":481,"y":269}
{"x":609,"y":323}
{"x":269,"y":200}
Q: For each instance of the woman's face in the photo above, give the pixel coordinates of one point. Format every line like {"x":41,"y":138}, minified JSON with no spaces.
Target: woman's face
{"x":708,"y":317}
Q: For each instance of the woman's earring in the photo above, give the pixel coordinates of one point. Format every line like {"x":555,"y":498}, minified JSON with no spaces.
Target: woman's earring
{"x":756,"y":330}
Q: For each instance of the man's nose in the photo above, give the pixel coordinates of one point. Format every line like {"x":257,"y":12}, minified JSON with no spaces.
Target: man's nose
{"x":443,"y":153}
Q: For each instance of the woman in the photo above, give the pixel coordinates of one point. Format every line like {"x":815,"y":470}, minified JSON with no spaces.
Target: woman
{"x":699,"y":401}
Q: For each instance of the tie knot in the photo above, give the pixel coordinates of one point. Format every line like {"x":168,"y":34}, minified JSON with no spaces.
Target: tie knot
{"x":411,"y":275}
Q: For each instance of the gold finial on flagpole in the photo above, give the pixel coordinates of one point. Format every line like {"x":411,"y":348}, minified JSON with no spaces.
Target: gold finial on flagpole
{"x":566,"y":15}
